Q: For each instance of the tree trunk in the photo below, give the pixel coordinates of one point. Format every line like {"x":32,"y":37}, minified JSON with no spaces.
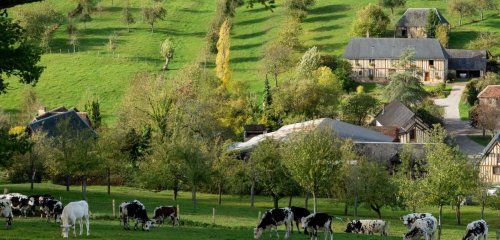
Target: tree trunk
{"x":482,"y":15}
{"x":377,"y":210}
{"x":165,"y":66}
{"x":67,"y":182}
{"x":128,"y":27}
{"x":176,"y":190}
{"x":315,"y":202}
{"x":84,"y":188}
{"x":439,"y":221}
{"x":290,"y":201}
{"x":109,"y":180}
{"x":346,"y":207}
{"x":275,"y":202}
{"x":482,"y":208}
{"x":193,"y":196}
{"x":32,"y":170}
{"x":356,"y":205}
{"x":460,"y":21}
{"x":219,"y":200}
{"x":252,"y":188}
{"x":152,"y":28}
{"x":457,"y":213}
{"x":306,"y":204}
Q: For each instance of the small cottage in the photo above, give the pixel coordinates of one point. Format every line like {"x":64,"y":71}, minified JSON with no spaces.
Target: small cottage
{"x":413,"y":23}
{"x":490,"y":96}
{"x":59,"y":120}
{"x":411,"y":128}
{"x":490,"y":163}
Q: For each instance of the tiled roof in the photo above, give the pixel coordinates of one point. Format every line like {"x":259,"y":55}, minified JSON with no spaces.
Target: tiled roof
{"x":462,"y":59}
{"x":396,"y":113}
{"x":491,"y":91}
{"x":52,"y":125}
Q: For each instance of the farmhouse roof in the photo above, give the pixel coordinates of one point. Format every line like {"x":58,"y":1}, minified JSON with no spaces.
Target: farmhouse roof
{"x":495,"y":140}
{"x":51,"y":124}
{"x":417,"y":17}
{"x":391,"y":48}
{"x":396,"y":113}
{"x":491,"y":91}
{"x":341,"y":129}
{"x":462,"y":59}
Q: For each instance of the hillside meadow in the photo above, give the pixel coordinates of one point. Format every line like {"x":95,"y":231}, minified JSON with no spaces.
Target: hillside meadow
{"x":234,"y":219}
{"x":70,"y":78}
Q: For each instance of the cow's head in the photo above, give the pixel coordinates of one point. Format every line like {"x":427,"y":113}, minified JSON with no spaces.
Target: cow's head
{"x":148,"y":224}
{"x":257,"y":232}
{"x":31,"y":201}
{"x":414,"y":232}
{"x":353,"y":226}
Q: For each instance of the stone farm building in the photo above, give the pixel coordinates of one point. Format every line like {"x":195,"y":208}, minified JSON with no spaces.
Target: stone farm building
{"x":374,"y":59}
{"x":490,"y":163}
{"x":411,"y":129}
{"x":490,"y":96}
{"x":413,"y":23}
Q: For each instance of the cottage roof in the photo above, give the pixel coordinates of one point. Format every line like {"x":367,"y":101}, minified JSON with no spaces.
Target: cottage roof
{"x":491,"y":144}
{"x":341,"y":129}
{"x":491,"y":91}
{"x":391,"y":48}
{"x":462,"y":59}
{"x":396,"y":113}
{"x":50,"y":124}
{"x":417,"y":17}
{"x":52,"y":112}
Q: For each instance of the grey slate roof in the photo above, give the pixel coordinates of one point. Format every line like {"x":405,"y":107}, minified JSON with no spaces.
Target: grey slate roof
{"x":462,"y":59}
{"x":391,"y":48}
{"x":50,"y":124}
{"x":417,"y":17}
{"x":492,"y":143}
{"x":341,"y":129}
{"x":396,"y":113}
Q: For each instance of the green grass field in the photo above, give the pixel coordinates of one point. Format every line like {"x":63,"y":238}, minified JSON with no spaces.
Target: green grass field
{"x":483,"y":140}
{"x":70,"y":77}
{"x":234,"y":218}
{"x":463,"y":108}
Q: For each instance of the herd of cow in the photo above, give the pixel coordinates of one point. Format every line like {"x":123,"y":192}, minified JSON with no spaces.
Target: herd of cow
{"x":75,"y":212}
{"x":419,"y":224}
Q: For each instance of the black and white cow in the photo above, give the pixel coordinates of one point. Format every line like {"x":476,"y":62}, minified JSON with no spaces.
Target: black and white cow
{"x":423,"y":227}
{"x":163,"y":212}
{"x":6,"y":211}
{"x":298,"y":214}
{"x":475,"y":230}
{"x":36,"y":202}
{"x":409,"y":219}
{"x":52,"y":208}
{"x":137,"y":211}
{"x":272,"y":219}
{"x":19,"y":202}
{"x":318,"y":222}
{"x":367,"y":227}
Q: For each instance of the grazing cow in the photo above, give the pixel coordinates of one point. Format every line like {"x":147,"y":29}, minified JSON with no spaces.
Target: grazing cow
{"x":52,"y":208}
{"x":272,"y":219}
{"x":475,"y":230}
{"x":6,"y":210}
{"x":318,"y":221}
{"x":367,"y":226}
{"x":19,"y":202}
{"x":298,"y":214}
{"x":163,"y":212}
{"x":72,"y":213}
{"x":137,"y":211}
{"x":423,"y":227}
{"x":409,"y":219}
{"x":36,"y":202}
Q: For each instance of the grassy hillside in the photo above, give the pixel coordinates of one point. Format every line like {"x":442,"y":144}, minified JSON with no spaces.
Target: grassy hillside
{"x":234,"y":219}
{"x":71,"y":76}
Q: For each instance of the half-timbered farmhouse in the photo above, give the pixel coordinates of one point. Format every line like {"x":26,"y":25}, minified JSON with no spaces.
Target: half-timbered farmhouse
{"x":490,"y":163}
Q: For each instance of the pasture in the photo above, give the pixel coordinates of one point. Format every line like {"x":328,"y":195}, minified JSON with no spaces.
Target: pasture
{"x":69,"y":78}
{"x":234,"y":219}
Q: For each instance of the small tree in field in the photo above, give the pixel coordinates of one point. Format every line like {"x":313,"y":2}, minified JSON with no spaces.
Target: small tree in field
{"x":152,"y":14}
{"x":392,"y":4}
{"x":74,"y":41}
{"x":461,"y":8}
{"x":442,"y":34}
{"x":85,"y":18}
{"x":483,"y":5}
{"x":313,"y":158}
{"x":371,"y":21}
{"x":289,"y":34}
{"x":485,"y":40}
{"x":167,"y":52}
{"x":276,"y":59}
{"x":111,"y":45}
{"x":269,"y":172}
{"x":309,"y":62}
{"x":127,"y":17}
{"x":357,"y":107}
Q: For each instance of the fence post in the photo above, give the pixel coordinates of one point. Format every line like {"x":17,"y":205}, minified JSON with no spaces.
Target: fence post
{"x":213,"y":216}
{"x":178,"y":212}
{"x":114,"y":209}
{"x":5,"y":190}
